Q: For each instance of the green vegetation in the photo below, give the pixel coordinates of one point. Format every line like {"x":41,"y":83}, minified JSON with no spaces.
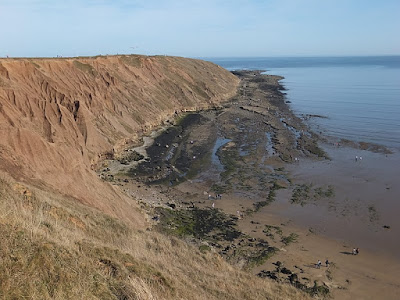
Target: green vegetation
{"x":249,"y":252}
{"x":209,"y":224}
{"x":316,"y":150}
{"x":304,"y":193}
{"x":318,"y":290}
{"x":217,"y":229}
{"x":229,"y":158}
{"x":301,"y":194}
{"x":260,"y":258}
{"x":312,"y":146}
{"x":204,"y":248}
{"x":291,"y":238}
{"x":129,"y":156}
{"x":329,"y":192}
{"x":270,"y":198}
{"x":270,"y":230}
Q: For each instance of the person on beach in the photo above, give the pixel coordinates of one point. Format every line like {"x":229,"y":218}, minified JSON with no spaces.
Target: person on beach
{"x":318,"y":265}
{"x":327,"y":263}
{"x":354,"y":251}
{"x":356,"y":157}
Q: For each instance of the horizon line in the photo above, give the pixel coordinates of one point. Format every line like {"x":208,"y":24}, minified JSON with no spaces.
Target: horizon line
{"x":200,"y":57}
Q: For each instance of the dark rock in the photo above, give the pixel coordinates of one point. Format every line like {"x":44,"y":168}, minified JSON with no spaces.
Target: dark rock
{"x":278,"y":263}
{"x":269,"y":274}
{"x":172,"y":205}
{"x":262,"y":244}
{"x":293,"y":278}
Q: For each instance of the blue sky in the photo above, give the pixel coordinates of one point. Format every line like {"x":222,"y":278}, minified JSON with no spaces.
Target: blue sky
{"x":194,"y":28}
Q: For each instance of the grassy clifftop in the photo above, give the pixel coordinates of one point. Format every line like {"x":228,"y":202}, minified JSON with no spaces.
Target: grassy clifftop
{"x":55,"y":248}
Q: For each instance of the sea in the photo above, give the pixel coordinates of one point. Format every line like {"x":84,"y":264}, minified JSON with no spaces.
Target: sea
{"x":358,"y":98}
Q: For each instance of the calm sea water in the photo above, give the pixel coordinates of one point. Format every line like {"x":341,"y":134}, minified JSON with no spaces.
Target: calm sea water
{"x":360,"y":96}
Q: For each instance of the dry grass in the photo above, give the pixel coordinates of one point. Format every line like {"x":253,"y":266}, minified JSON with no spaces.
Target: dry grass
{"x":55,"y":248}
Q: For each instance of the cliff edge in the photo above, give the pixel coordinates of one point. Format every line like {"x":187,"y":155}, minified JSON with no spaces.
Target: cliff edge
{"x":59,"y":116}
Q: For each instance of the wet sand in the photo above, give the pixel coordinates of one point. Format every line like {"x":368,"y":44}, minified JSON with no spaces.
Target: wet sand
{"x":366,"y":199}
{"x":255,"y":153}
{"x":331,"y":228}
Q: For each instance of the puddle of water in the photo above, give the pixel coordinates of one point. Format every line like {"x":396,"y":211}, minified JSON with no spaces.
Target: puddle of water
{"x":214,"y":157}
{"x":269,"y":147}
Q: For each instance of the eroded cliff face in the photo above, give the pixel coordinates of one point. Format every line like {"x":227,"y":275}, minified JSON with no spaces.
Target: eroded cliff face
{"x":59,"y":116}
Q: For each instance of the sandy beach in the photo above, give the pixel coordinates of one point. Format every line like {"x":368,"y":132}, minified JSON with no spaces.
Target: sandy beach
{"x":331,"y":228}
{"x":366,"y":199}
{"x":257,"y":155}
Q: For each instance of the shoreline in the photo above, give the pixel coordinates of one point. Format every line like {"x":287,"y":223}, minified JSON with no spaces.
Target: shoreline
{"x":363,"y":209}
{"x":254,"y":164}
